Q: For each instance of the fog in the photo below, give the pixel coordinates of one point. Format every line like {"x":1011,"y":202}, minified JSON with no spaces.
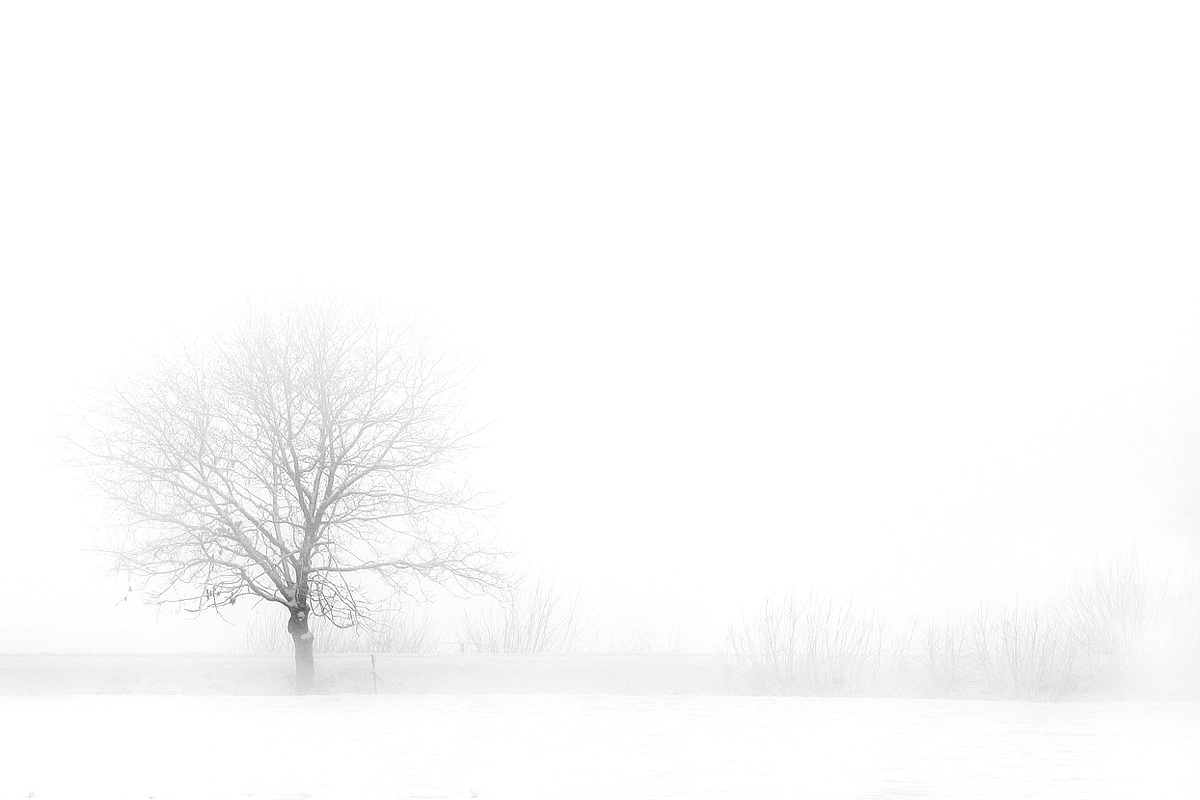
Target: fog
{"x":758,"y":301}
{"x":677,"y":461}
{"x":835,"y":368}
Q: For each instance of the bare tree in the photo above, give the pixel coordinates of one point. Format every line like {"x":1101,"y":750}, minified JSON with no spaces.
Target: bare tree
{"x":308,"y":457}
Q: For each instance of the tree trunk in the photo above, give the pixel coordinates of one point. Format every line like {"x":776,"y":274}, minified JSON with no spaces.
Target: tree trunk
{"x":303,"y":639}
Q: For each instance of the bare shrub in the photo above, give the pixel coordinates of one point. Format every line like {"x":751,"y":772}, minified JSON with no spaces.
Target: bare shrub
{"x":263,"y":635}
{"x":403,"y":630}
{"x":644,"y":636}
{"x":1025,"y":651}
{"x":406,"y":631}
{"x":1128,"y":617}
{"x":815,"y":647}
{"x":1112,"y":610}
{"x":944,"y":650}
{"x":538,"y":618}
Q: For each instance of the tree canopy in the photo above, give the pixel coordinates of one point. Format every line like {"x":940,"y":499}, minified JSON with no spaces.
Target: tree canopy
{"x":310,"y":457}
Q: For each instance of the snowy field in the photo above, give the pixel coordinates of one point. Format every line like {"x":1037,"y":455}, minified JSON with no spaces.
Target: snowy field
{"x":270,"y":674}
{"x":588,"y":746}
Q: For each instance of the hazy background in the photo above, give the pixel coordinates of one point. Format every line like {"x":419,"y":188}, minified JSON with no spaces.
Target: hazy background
{"x":895,"y":301}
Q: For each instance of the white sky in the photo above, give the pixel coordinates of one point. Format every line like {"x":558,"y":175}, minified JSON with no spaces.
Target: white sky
{"x":896,"y":300}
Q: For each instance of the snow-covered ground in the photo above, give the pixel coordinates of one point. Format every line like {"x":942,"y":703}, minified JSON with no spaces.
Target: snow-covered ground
{"x":273,"y":674}
{"x":588,"y":746}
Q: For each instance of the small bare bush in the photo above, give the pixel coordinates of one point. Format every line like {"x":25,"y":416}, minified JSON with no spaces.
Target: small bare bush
{"x":1128,"y":618}
{"x":265,"y":635}
{"x":403,"y":630}
{"x":538,"y":618}
{"x":406,"y":631}
{"x":1113,"y":610}
{"x":815,"y":647}
{"x":944,"y":650}
{"x":643,"y":636}
{"x":1025,"y":651}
